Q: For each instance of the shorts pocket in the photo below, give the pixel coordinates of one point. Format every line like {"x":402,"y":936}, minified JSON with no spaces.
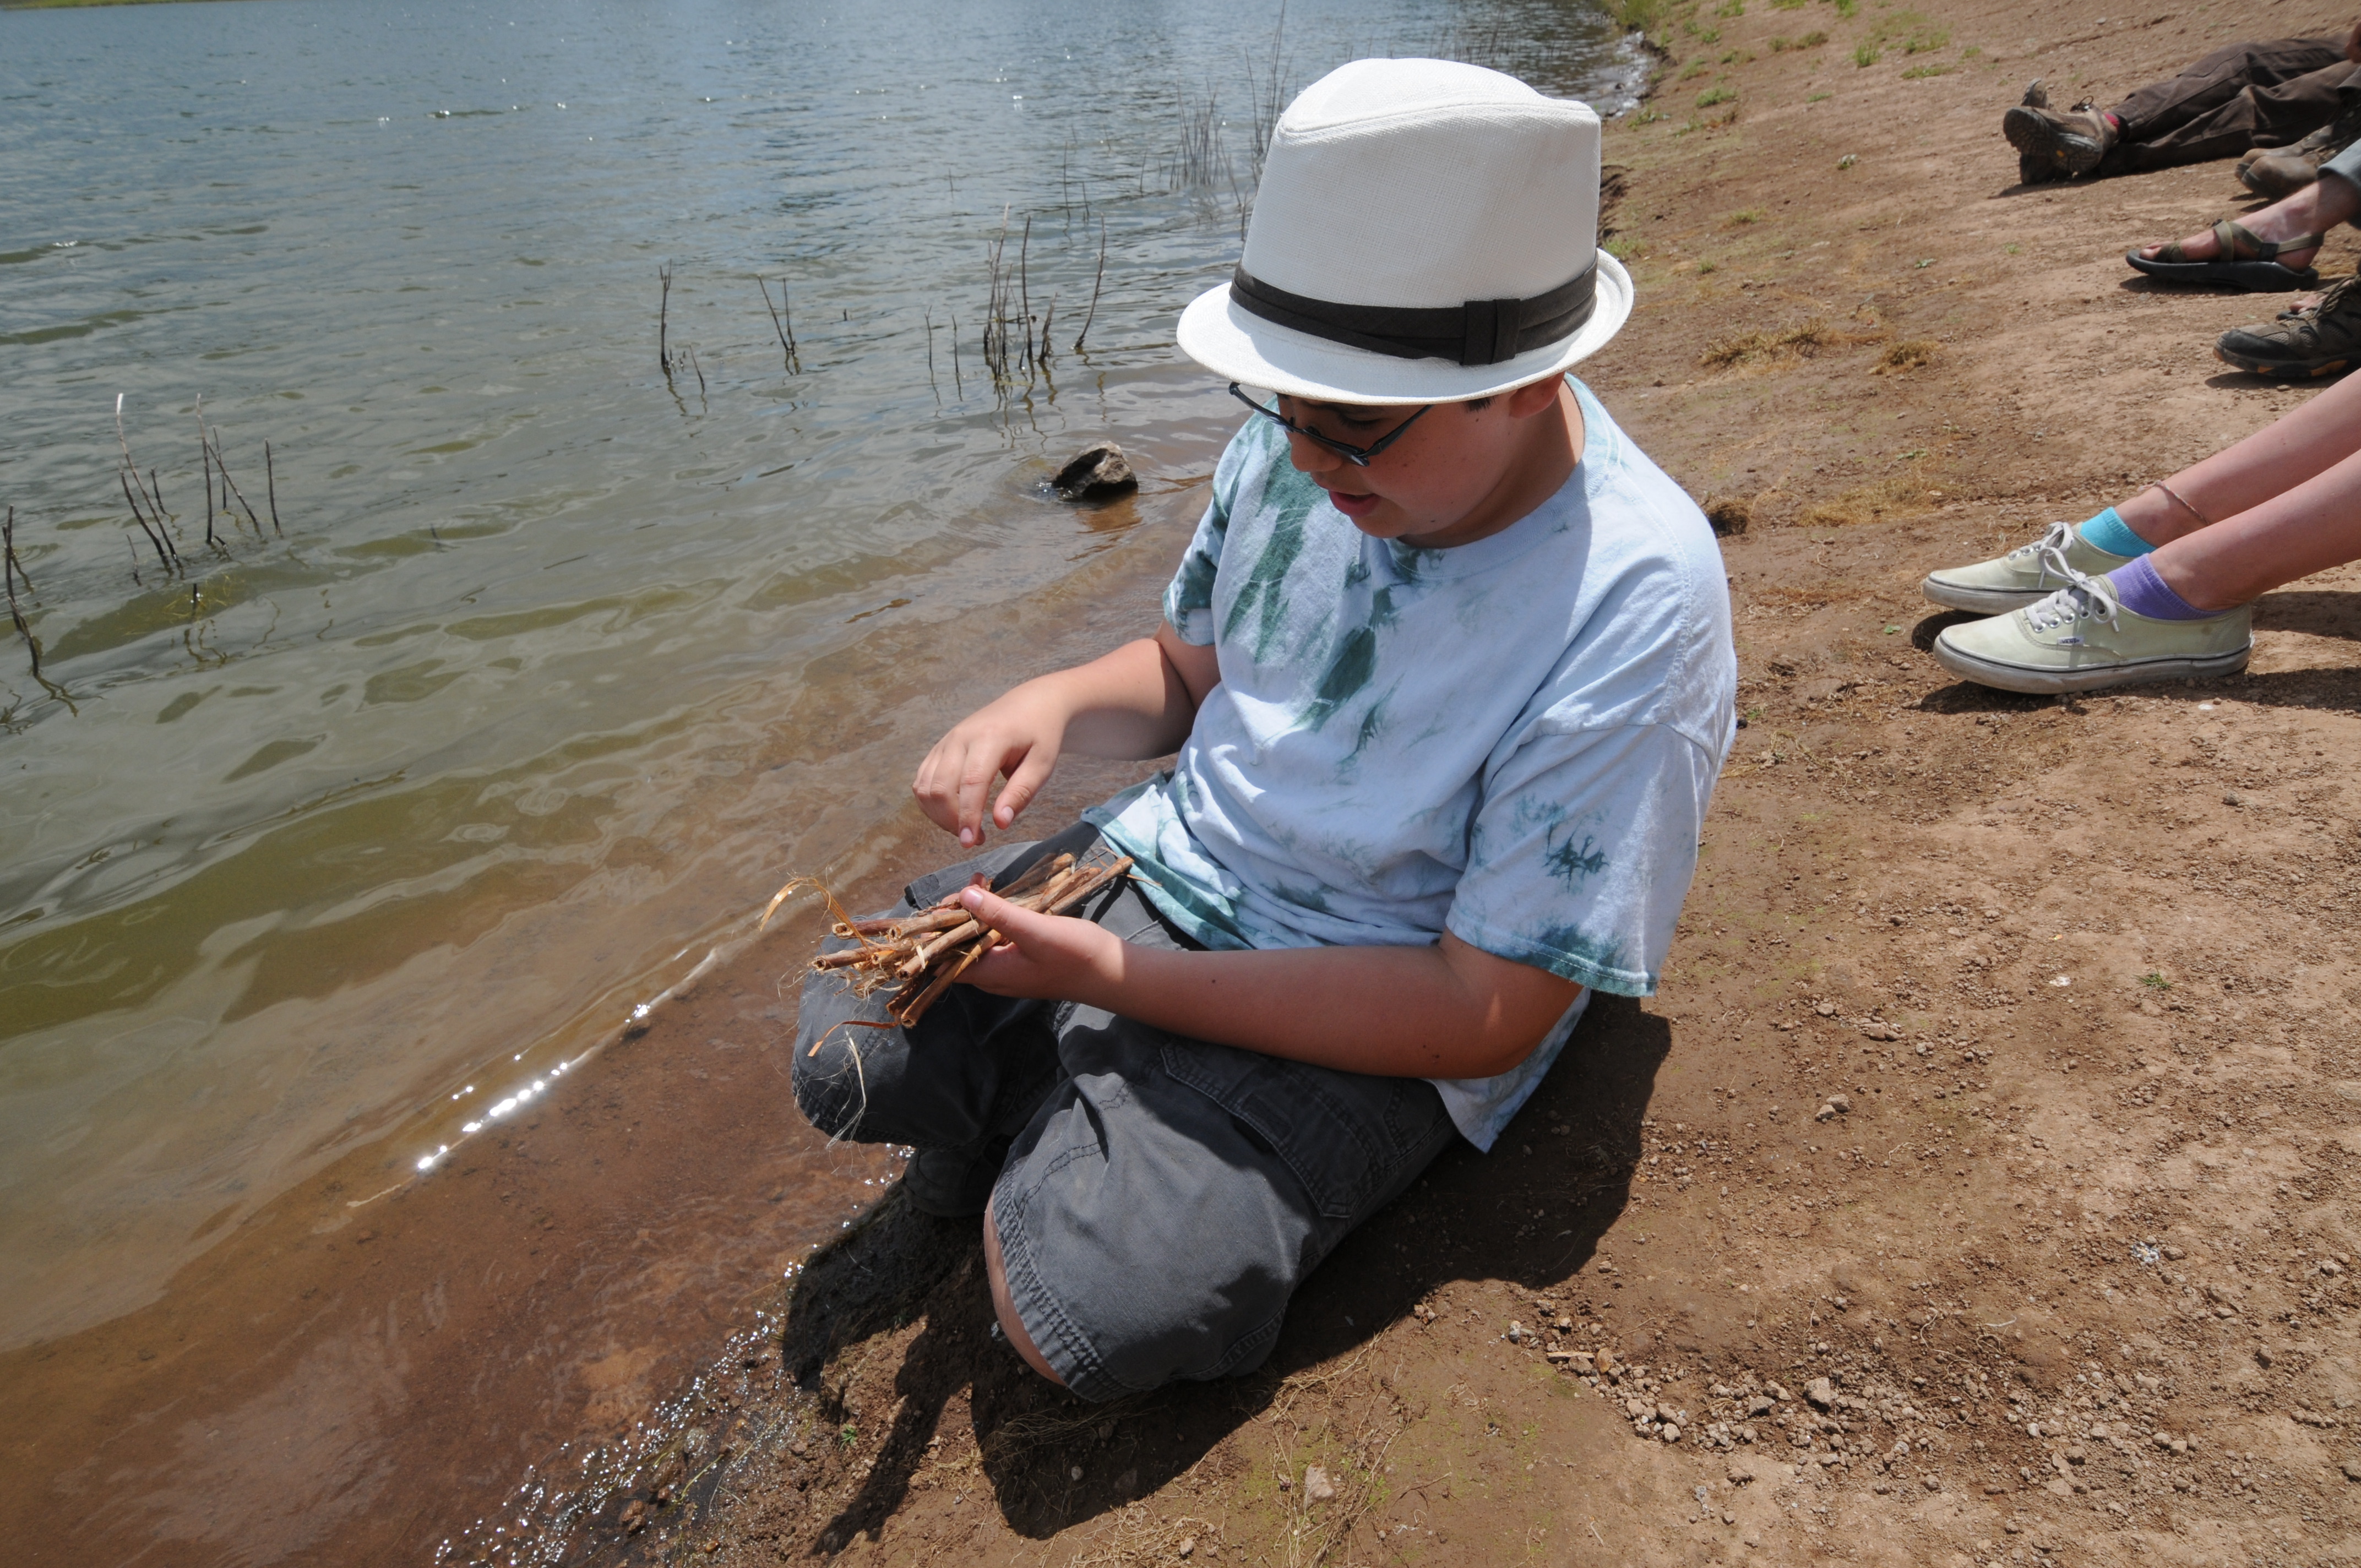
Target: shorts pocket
{"x":1343,"y":1135}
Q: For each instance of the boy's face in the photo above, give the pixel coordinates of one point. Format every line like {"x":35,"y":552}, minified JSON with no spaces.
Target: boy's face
{"x":1460,"y":473}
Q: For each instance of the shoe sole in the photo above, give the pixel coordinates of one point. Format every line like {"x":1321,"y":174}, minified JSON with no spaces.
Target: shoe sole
{"x":2038,"y":683}
{"x":2286,"y":371}
{"x":2034,"y":137}
{"x":2254,"y":276}
{"x":1982,"y":601}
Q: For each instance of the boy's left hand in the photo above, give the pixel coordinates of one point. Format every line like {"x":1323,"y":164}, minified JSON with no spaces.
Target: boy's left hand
{"x":1049,"y":956}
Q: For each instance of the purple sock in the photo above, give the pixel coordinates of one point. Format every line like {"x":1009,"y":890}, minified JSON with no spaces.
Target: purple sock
{"x":2144,"y":593}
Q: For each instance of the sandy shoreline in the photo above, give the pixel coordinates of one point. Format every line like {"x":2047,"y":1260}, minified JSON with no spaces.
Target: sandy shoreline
{"x":2056,"y":1231}
{"x":2065,"y":1273}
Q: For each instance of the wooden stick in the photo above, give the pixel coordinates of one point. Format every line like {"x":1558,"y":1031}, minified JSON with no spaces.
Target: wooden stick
{"x":271,"y":478}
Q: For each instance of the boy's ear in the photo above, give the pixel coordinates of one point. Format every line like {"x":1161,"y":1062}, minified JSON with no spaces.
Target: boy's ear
{"x":1532,"y":397}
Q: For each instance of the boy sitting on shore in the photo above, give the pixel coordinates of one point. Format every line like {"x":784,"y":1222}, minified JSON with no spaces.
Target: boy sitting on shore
{"x":1448,"y":670}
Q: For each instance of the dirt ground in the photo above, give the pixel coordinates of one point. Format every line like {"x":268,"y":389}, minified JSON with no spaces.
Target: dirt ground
{"x":1976,"y":1189}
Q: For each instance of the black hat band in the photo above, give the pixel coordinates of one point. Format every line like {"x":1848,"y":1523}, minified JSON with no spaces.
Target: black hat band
{"x":1480,"y":331}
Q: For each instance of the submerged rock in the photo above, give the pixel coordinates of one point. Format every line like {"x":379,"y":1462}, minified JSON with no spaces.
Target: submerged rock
{"x":1100,"y":473}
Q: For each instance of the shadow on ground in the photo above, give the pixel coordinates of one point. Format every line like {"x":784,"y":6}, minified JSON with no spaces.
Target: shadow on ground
{"x":1530,"y":1212}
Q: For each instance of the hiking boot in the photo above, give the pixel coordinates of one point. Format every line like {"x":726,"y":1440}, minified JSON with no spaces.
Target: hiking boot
{"x":2315,"y":340}
{"x":954,"y":1184}
{"x":2067,"y":144}
{"x":2033,"y":170}
{"x":2020,"y":577}
{"x":2281,"y":172}
{"x":2080,"y":638}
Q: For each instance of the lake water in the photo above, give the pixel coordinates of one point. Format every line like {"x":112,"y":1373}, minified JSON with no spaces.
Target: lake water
{"x":536,"y":667}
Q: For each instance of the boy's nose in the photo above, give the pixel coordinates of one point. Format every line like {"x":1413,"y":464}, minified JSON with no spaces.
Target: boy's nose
{"x":1309,"y":457}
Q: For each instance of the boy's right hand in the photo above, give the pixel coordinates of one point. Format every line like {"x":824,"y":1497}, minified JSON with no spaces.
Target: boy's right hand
{"x":1020,"y":735}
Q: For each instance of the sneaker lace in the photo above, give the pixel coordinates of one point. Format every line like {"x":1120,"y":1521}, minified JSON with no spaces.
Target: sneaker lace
{"x":2083,"y":598}
{"x":2060,"y":535}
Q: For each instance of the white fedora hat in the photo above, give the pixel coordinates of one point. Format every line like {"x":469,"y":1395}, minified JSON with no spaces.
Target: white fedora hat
{"x":1424,"y":232}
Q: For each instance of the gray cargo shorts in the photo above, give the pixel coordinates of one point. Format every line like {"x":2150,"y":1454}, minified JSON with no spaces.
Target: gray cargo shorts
{"x":1161,"y":1197}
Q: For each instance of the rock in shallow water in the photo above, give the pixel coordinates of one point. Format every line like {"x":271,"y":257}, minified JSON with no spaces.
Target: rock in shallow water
{"x":1100,"y":473}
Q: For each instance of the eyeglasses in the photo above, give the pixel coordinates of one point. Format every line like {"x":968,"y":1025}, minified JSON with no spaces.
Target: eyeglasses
{"x":1356,"y":456}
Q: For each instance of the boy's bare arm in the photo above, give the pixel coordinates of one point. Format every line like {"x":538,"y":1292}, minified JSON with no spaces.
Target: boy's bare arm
{"x":1135,"y":702}
{"x":1448,"y":1011}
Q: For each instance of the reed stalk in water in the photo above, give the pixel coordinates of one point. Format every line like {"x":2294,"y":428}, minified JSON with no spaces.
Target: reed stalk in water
{"x":15,"y":569}
{"x":270,"y":478}
{"x":229,"y":486}
{"x":663,"y":314}
{"x":1095,"y":282}
{"x":785,"y":326}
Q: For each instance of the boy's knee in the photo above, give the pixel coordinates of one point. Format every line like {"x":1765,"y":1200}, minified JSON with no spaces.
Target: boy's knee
{"x":828,"y":1073}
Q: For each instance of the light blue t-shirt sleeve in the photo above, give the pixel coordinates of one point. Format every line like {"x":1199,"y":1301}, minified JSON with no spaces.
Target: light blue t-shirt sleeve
{"x":1189,"y":598}
{"x":1583,"y":851}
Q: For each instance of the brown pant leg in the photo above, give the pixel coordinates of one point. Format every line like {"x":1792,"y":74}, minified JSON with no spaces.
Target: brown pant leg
{"x":2258,"y":94}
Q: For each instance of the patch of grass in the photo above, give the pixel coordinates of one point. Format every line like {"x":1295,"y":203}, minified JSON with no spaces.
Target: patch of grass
{"x":1846,"y":9}
{"x":1704,"y":268}
{"x":1730,"y":8}
{"x":1695,"y":70}
{"x":1746,"y":215}
{"x":1801,"y":342}
{"x":1866,"y":54}
{"x":1917,"y":72}
{"x":2155,"y":981}
{"x":1624,"y":247}
{"x":1926,"y":40}
{"x":2013,"y":247}
{"x":1906,"y":355}
{"x":1640,"y":14}
{"x":1896,"y":494}
{"x":1732,"y":58}
{"x":1971,"y":52}
{"x":1712,"y":95}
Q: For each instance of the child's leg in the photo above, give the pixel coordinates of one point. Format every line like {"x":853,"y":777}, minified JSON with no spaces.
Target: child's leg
{"x":2274,"y":460}
{"x":1161,"y":1210}
{"x":2307,"y":529}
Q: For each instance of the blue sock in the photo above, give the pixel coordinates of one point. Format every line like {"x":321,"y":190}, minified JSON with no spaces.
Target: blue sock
{"x":2142,"y":592}
{"x":2108,"y":532}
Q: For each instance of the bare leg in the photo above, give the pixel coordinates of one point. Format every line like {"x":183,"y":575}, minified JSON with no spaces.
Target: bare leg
{"x":2315,"y":209}
{"x":1005,"y":1310}
{"x":2271,"y":462}
{"x":2308,"y":529}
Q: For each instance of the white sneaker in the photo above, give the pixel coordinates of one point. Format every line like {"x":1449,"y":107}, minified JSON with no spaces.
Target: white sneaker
{"x":2019,"y":577}
{"x":2080,"y":638}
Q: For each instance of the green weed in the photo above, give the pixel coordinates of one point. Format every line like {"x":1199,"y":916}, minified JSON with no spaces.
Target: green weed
{"x":1705,"y":266}
{"x":1918,"y":72}
{"x":1712,"y":95}
{"x":1697,"y":70}
{"x":1730,"y":8}
{"x":1746,"y":215}
{"x":2156,"y":982}
{"x":1846,"y":9}
{"x":1865,"y":55}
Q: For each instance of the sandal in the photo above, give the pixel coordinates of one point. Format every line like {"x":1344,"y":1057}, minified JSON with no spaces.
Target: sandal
{"x":2247,"y":261}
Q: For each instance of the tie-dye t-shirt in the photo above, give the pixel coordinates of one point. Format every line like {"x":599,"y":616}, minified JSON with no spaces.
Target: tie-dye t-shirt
{"x":1513,"y":740}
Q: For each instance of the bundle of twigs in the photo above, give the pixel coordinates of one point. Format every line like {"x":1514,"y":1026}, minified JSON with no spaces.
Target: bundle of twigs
{"x":925,"y":952}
